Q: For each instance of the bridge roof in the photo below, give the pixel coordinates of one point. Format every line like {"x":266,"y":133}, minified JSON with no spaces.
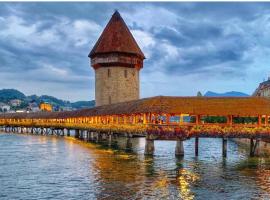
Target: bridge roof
{"x":215,"y":106}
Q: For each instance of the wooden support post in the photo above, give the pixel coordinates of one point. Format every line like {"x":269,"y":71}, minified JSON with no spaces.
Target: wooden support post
{"x":149,"y":147}
{"x":62,"y":132}
{"x":196,"y":146}
{"x":68,"y":132}
{"x":97,"y":137}
{"x":179,"y":148}
{"x":224,"y":147}
{"x":109,"y":139}
{"x":81,"y":134}
{"x":181,"y":119}
{"x":128,"y":143}
{"x":230,"y":120}
{"x":251,"y":147}
{"x":77,"y":133}
{"x":144,"y":119}
{"x":198,"y":119}
{"x":134,"y":119}
{"x":92,"y":137}
{"x":168,"y":116}
{"x":259,"y":120}
{"x":254,"y":147}
{"x":114,"y":139}
{"x":257,"y":149}
{"x":87,"y":136}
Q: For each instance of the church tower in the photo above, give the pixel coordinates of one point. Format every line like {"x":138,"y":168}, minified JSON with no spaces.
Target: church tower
{"x":117,"y":60}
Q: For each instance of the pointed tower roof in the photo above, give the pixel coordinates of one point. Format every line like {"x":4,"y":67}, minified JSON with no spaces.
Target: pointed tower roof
{"x":116,"y":38}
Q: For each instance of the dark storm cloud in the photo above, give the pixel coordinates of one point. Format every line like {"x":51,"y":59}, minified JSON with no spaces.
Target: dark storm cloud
{"x":49,"y":42}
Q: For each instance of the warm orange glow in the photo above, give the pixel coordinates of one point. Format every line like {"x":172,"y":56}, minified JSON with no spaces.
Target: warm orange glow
{"x":45,"y":107}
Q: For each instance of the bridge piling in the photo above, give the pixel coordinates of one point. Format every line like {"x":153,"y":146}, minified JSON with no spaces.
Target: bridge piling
{"x":114,"y":139}
{"x":149,"y":147}
{"x":257,"y":151}
{"x":196,"y":146}
{"x":81,"y":134}
{"x":109,"y":139}
{"x":97,"y":137}
{"x":179,"y":148}
{"x":87,"y":138}
{"x":128,"y":143}
{"x":68,"y":132}
{"x":252,"y":147}
{"x":92,"y":137}
{"x":77,"y":133}
{"x":224,"y":147}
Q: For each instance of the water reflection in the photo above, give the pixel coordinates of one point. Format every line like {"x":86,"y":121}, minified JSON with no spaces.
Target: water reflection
{"x":40,"y":167}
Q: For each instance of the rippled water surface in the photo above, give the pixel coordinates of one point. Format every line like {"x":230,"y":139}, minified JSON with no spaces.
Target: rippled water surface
{"x":42,"y":167}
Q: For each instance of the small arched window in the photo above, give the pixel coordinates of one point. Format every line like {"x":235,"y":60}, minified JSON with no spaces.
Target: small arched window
{"x":125,"y":73}
{"x":110,"y":100}
{"x":109,"y":73}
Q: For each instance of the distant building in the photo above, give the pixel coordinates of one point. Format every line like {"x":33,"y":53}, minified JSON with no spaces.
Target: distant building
{"x":15,"y":102}
{"x":33,"y":107}
{"x":66,"y":108}
{"x":20,"y":111}
{"x":4,"y":107}
{"x":263,"y":89}
{"x":45,"y":107}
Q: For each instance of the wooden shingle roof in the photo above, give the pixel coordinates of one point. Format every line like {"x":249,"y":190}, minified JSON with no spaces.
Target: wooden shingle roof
{"x":215,"y":106}
{"x":116,"y":38}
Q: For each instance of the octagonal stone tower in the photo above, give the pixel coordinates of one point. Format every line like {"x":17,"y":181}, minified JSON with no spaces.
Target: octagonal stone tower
{"x":117,"y":60}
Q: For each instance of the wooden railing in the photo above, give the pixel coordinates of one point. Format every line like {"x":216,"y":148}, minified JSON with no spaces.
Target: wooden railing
{"x":175,"y":129}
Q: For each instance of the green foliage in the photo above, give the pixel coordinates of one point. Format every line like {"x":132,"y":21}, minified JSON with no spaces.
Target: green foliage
{"x":236,"y":120}
{"x":8,"y":94}
{"x":199,"y":94}
{"x":242,"y":120}
{"x":215,"y":119}
{"x":83,"y":104}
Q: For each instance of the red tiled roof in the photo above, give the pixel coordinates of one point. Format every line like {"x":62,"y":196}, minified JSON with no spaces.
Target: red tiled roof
{"x":116,"y":38}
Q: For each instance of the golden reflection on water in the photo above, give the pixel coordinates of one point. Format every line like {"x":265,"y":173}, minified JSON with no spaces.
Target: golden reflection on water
{"x":131,"y":170}
{"x":115,"y":174}
{"x":185,"y":179}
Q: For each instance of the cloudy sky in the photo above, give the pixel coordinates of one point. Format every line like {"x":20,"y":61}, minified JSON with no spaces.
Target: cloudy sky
{"x":189,"y":47}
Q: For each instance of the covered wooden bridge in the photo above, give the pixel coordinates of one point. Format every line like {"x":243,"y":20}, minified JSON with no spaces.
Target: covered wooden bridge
{"x":156,"y":118}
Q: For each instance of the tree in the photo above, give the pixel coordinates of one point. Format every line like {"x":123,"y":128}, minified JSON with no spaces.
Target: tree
{"x":199,"y":94}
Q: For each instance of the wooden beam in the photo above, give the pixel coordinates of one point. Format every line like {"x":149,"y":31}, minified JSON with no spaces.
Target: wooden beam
{"x":198,"y":119}
{"x":168,"y":116}
{"x":144,"y":118}
{"x":259,"y":120}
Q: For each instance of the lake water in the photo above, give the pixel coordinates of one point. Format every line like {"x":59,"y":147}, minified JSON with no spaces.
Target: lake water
{"x":42,"y":167}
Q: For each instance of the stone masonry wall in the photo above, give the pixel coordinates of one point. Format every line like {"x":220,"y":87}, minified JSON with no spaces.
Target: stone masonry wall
{"x":112,"y":86}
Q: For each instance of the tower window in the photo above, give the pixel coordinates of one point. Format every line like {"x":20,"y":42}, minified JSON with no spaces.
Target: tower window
{"x":125,"y":73}
{"x":109,"y":73}
{"x":110,"y":100}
